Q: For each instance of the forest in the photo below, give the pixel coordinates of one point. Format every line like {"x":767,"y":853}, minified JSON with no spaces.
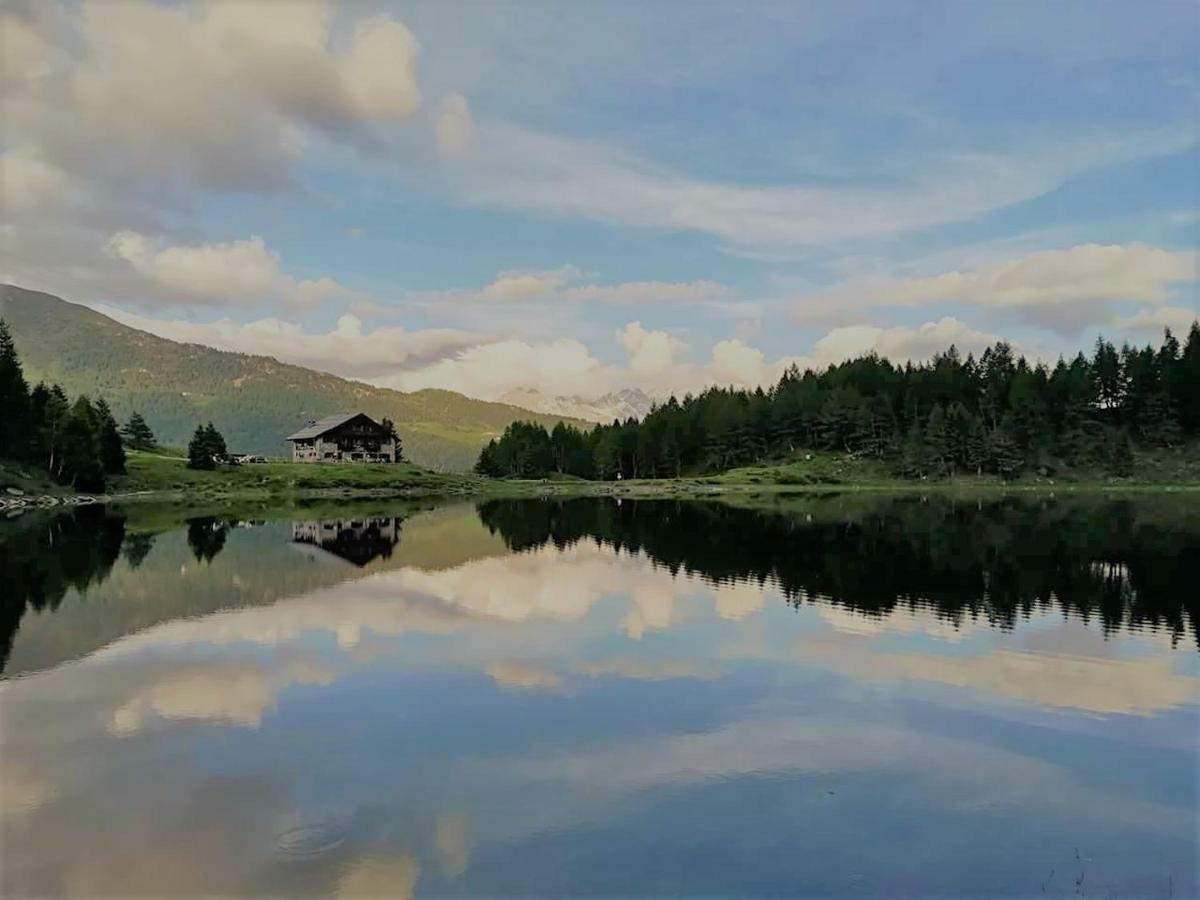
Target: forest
{"x":76,"y":443}
{"x":998,"y":414}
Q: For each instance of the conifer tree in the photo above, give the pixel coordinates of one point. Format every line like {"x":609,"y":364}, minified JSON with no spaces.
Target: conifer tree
{"x":14,"y":400}
{"x":215,"y":442}
{"x":112,"y":452}
{"x":1004,"y":456}
{"x":199,"y":452}
{"x":80,"y":464}
{"x":137,"y":434}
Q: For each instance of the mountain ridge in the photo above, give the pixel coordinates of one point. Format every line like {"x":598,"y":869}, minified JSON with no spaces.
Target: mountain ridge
{"x":254,"y":400}
{"x":621,"y":404}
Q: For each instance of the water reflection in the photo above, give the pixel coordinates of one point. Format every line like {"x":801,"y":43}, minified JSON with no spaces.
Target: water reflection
{"x":358,"y":541}
{"x":529,"y":699}
{"x":1116,"y":561}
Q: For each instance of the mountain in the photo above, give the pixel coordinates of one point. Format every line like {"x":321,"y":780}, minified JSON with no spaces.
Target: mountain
{"x":255,"y":401}
{"x":616,"y":405}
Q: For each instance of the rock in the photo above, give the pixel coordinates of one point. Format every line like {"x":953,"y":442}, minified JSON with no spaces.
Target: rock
{"x":16,"y":492}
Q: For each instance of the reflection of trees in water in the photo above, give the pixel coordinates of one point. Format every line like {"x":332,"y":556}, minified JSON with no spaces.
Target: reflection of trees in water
{"x":206,"y":537}
{"x":136,"y":548}
{"x":41,"y":563}
{"x":1105,"y":561}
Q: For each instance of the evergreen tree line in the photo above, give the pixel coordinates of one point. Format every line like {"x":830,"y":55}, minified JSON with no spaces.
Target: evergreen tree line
{"x":77,"y":443}
{"x":997,"y":414}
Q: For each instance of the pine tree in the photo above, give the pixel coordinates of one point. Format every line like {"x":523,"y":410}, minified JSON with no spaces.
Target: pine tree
{"x":15,"y":424}
{"x":215,"y":442}
{"x":137,"y":434}
{"x":1004,"y":456}
{"x":390,"y":427}
{"x":976,"y":446}
{"x":55,"y":413}
{"x":112,"y":452}
{"x":488,"y":464}
{"x":80,"y":464}
{"x":936,"y":439}
{"x":199,"y":454}
{"x":915,"y":458}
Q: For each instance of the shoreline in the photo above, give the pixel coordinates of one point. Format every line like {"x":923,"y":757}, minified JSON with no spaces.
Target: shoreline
{"x":502,"y":489}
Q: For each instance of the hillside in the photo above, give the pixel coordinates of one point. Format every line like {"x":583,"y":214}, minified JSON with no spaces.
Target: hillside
{"x":254,"y":400}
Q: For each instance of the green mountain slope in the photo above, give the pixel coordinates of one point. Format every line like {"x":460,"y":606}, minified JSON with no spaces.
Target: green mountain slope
{"x":254,"y":400}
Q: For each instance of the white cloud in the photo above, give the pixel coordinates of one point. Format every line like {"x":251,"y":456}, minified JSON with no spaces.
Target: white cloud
{"x":455,"y":129}
{"x":1087,"y":272}
{"x":650,"y":352}
{"x":1153,"y":321}
{"x":736,"y":362}
{"x":634,"y":293}
{"x":28,"y":184}
{"x":492,"y":369}
{"x":515,"y":286}
{"x":489,"y":366}
{"x":549,"y":174}
{"x":562,"y":285}
{"x":347,"y":350}
{"x":379,"y":68}
{"x":213,"y":94}
{"x":233,"y":273}
{"x":899,"y":344}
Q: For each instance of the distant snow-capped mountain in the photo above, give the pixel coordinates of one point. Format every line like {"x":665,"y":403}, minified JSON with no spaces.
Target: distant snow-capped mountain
{"x":616,"y":405}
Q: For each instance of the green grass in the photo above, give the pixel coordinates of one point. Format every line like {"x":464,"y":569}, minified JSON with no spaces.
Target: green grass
{"x":163,"y":473}
{"x":27,"y":479}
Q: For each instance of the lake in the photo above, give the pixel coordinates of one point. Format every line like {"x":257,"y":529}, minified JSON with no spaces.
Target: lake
{"x":816,"y":696}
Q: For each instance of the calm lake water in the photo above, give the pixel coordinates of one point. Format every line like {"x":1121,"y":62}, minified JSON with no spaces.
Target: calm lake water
{"x":821,"y":696}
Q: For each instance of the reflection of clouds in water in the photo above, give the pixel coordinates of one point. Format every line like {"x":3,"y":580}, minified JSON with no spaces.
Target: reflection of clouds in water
{"x":574,"y":786}
{"x":233,"y":692}
{"x":455,"y":843}
{"x":646,"y":670}
{"x":561,"y":587}
{"x":546,"y":584}
{"x":739,"y":600}
{"x":516,"y":674}
{"x":393,"y":878}
{"x":899,"y":621}
{"x":1134,"y":685}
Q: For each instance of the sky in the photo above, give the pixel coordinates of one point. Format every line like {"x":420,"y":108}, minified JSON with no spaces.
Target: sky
{"x":582,"y":197}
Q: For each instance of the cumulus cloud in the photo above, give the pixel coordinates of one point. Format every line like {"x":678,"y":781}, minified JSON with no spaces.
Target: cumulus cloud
{"x":454,"y":128}
{"x":347,"y":350}
{"x":218,"y":274}
{"x":514,"y":286}
{"x":650,"y":352}
{"x":491,"y":370}
{"x":1061,"y":289}
{"x":219,"y":95}
{"x":1084,"y":272}
{"x":118,"y":115}
{"x":1153,"y":321}
{"x":489,"y":366}
{"x":899,"y":344}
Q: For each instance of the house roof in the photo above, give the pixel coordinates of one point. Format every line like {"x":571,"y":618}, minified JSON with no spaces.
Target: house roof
{"x":319,"y":427}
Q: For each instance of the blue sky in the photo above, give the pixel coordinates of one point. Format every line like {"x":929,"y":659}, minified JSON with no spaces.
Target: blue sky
{"x":580,"y":197}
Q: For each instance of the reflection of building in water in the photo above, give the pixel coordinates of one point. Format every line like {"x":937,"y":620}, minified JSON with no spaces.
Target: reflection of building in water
{"x":357,"y":540}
